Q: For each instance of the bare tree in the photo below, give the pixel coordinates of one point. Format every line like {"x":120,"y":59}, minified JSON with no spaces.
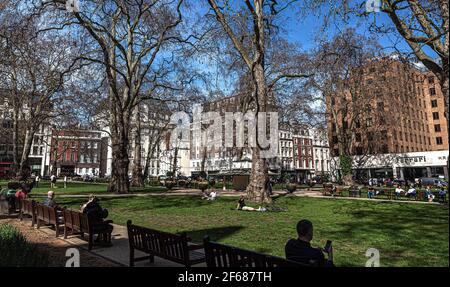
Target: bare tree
{"x":128,"y":39}
{"x":248,"y":26}
{"x":33,"y":72}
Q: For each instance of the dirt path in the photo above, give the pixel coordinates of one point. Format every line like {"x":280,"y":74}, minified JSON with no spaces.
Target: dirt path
{"x":57,"y":248}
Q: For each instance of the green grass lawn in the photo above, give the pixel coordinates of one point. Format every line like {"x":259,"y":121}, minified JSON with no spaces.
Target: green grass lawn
{"x":84,"y":188}
{"x":405,"y":234}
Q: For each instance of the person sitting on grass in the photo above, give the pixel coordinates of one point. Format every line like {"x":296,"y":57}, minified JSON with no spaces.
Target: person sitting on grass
{"x":241,"y":206}
{"x":212,"y":195}
{"x":300,"y":250}
{"x":398,"y":191}
{"x":50,"y":200}
{"x":429,"y":194}
{"x":442,"y":193}
{"x":411,"y":192}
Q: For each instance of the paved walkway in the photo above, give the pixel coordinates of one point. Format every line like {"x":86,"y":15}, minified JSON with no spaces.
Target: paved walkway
{"x":118,"y":253}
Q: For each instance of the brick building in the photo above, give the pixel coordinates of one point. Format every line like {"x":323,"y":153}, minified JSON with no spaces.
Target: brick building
{"x":76,"y":152}
{"x":396,"y":109}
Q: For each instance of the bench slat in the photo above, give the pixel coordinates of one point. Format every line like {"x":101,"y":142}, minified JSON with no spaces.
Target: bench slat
{"x":169,"y":246}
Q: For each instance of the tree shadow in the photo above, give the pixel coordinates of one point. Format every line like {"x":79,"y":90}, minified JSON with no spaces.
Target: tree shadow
{"x":215,"y":233}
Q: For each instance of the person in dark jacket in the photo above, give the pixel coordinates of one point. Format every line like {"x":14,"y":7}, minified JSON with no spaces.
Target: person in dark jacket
{"x":300,"y":249}
{"x":97,"y":216}
{"x":93,"y":210}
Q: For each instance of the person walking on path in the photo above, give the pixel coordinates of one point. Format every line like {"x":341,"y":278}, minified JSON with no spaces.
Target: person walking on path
{"x":65,"y":181}
{"x":53,"y":181}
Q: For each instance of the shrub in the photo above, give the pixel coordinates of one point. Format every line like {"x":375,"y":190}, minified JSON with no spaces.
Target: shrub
{"x":154,"y":182}
{"x":202,"y":185}
{"x":291,"y":187}
{"x":182,"y":183}
{"x":17,"y":252}
{"x":169,"y":184}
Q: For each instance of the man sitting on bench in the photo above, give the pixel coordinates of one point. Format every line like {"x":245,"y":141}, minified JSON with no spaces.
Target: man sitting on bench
{"x":96,"y":215}
{"x":50,"y":200}
{"x":300,"y":250}
{"x":411,"y":192}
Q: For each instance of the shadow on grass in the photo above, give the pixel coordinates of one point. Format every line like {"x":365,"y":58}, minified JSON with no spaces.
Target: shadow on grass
{"x":405,"y":225}
{"x":215,"y":233}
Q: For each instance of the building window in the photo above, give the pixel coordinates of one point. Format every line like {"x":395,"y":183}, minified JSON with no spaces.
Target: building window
{"x":358,"y":137}
{"x":436,"y":116}
{"x":432,"y":91}
{"x":437,"y":128}
{"x":369,"y":122}
{"x":431,"y":80}
{"x":439,"y":140}
{"x":434,"y":104}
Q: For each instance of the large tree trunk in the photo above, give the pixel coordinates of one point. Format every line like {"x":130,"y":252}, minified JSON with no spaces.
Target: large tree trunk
{"x":119,"y":123}
{"x":137,"y":179}
{"x":256,"y":189}
{"x":24,"y":168}
{"x":119,"y":178}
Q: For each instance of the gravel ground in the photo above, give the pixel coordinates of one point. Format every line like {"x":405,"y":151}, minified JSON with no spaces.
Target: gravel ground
{"x":56,"y":247}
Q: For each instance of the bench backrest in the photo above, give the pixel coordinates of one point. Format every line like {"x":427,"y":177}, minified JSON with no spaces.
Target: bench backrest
{"x":162,"y":244}
{"x":220,"y":255}
{"x":76,"y":220}
{"x":27,"y":206}
{"x":46,"y":213}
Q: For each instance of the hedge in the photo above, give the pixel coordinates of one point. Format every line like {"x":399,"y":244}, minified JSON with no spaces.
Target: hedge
{"x":17,"y":252}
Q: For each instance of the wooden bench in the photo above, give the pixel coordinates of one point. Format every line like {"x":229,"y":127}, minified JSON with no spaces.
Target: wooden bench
{"x":78,"y":222}
{"x":9,"y":206}
{"x":28,"y":207}
{"x":220,"y":255}
{"x":173,"y":247}
{"x":328,"y":190}
{"x":354,"y":191}
{"x":48,"y":216}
